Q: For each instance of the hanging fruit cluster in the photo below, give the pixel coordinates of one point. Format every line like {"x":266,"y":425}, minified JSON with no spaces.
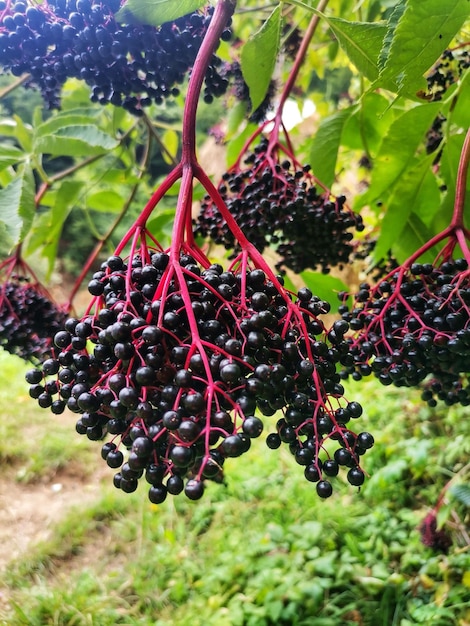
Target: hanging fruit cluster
{"x":179,"y":362}
{"x":176,"y":357}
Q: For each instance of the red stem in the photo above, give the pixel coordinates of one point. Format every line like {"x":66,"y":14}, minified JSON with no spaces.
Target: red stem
{"x":461,"y":184}
{"x":222,"y":13}
{"x":300,"y":56}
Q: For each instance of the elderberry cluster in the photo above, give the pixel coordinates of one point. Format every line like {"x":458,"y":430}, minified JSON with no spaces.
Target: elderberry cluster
{"x":28,"y":320}
{"x":413,"y":327}
{"x":447,"y":71}
{"x":125,"y":65}
{"x":232,"y":73}
{"x":174,"y":359}
{"x":280,"y":205}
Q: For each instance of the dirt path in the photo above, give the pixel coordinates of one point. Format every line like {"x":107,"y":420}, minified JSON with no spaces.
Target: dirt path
{"x":28,"y":512}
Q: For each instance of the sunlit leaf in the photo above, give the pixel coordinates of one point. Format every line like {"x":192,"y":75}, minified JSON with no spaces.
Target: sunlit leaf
{"x":156,"y":12}
{"x":420,"y":35}
{"x":362,"y":42}
{"x":17,"y":205}
{"x":325,"y":146}
{"x":397,"y":150}
{"x":258,"y":57}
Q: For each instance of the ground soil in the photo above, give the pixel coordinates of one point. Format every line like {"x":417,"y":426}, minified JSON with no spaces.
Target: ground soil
{"x":29,"y":511}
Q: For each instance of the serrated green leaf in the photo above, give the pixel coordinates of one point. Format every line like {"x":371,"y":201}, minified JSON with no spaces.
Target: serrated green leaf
{"x":17,"y":205}
{"x":76,"y":140}
{"x":369,"y":123}
{"x":422,"y":33}
{"x":9,"y":155}
{"x":24,"y":134}
{"x":461,"y":493}
{"x":397,"y":150}
{"x":155,"y":12}
{"x":258,"y":57}
{"x":64,"y":120}
{"x":362,"y":42}
{"x":105,"y":201}
{"x":392,"y":23}
{"x":325,"y":286}
{"x":418,"y":192}
{"x":325,"y":146}
{"x":412,"y":238}
{"x":47,"y":227}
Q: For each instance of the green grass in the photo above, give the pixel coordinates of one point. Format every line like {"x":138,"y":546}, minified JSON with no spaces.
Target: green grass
{"x":263,"y":550}
{"x":34,"y":442}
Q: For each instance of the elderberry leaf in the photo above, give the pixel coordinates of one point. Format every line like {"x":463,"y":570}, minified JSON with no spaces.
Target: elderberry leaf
{"x":415,"y":235}
{"x":392,"y":23}
{"x":258,"y":57}
{"x":76,"y":140}
{"x":459,"y":113}
{"x":156,"y":12}
{"x":397,"y":150}
{"x":461,"y":493}
{"x":416,"y":39}
{"x":325,"y":145}
{"x":10,"y":155}
{"x":449,"y":165}
{"x":17,"y":205}
{"x":368,"y":124}
{"x":324,"y":286}
{"x":362,"y":42}
{"x":170,"y":141}
{"x":108,"y":201}
{"x":47,"y":227}
{"x":417,"y":193}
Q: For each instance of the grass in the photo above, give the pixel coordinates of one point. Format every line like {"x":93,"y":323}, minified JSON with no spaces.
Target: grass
{"x":36,"y":443}
{"x":262,"y":550}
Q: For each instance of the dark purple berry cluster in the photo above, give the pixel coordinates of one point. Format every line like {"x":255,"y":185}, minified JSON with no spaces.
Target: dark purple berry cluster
{"x":239,"y":89}
{"x":438,"y":540}
{"x":126,"y":65}
{"x":447,"y":71}
{"x":277,"y":203}
{"x":175,"y":357}
{"x":413,"y":329}
{"x":28,"y":319}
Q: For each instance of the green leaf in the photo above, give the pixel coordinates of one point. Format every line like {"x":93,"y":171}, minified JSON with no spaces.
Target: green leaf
{"x":258,"y":57}
{"x":170,"y":140}
{"x":9,"y":155}
{"x":324,"y":286}
{"x":391,"y":26}
{"x":417,"y":192}
{"x":422,"y":32}
{"x":47,"y":227}
{"x":362,"y":42}
{"x":76,"y":140}
{"x":155,"y":12}
{"x":397,"y":150}
{"x":24,"y":134}
{"x":325,"y":145}
{"x":108,"y":201}
{"x":460,"y":111}
{"x":368,"y":124}
{"x":461,"y":493}
{"x":413,"y":237}
{"x":61,"y":121}
{"x":17,"y":205}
